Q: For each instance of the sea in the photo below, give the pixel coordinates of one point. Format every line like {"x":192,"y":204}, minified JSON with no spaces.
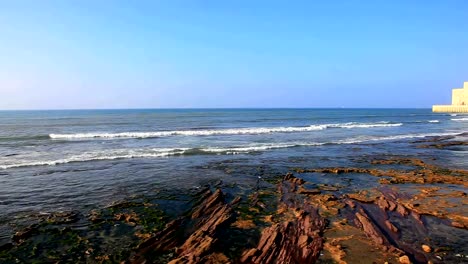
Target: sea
{"x":65,"y":160}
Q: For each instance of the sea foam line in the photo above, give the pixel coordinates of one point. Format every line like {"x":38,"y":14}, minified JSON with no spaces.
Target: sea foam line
{"x":364,"y":139}
{"x":209,"y":132}
{"x":94,"y":156}
{"x":149,"y":153}
{"x":165,"y":152}
{"x":460,"y":119}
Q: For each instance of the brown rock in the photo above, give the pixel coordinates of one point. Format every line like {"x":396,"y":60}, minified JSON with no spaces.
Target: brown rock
{"x":457,"y":224}
{"x":404,"y":260}
{"x":350,"y":203}
{"x":390,"y":226}
{"x":290,"y":242}
{"x":370,"y":229}
{"x":128,"y":218}
{"x":203,"y":225}
{"x":244,"y":224}
{"x":291,"y":178}
{"x":401,"y":210}
{"x":297,"y":240}
{"x":302,"y":190}
{"x":25,"y":233}
{"x":216,"y":258}
{"x":426,"y":248}
{"x":95,"y":217}
{"x":336,"y":252}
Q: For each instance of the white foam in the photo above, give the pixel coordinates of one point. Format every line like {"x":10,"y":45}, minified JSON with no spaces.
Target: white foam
{"x":433,"y":121}
{"x":255,"y":148}
{"x":106,"y":155}
{"x":209,"y":132}
{"x":369,"y":125}
{"x":460,"y":119}
{"x":164,"y":152}
{"x":394,"y":137}
{"x":150,"y":153}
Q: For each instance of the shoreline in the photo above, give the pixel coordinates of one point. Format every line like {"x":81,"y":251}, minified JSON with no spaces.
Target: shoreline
{"x":401,"y":209}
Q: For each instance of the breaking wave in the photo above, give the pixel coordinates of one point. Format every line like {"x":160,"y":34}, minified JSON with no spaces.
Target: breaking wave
{"x":149,"y":153}
{"x":363,"y":139}
{"x":231,"y":131}
{"x":105,"y":155}
{"x":165,"y":152}
{"x":460,"y":119}
{"x":433,"y":121}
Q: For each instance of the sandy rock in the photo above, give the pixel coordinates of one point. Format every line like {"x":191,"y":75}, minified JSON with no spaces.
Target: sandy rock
{"x":426,"y":248}
{"x":244,"y":224}
{"x":404,"y":260}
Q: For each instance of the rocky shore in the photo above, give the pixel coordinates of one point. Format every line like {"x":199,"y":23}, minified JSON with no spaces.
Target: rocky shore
{"x":389,"y":209}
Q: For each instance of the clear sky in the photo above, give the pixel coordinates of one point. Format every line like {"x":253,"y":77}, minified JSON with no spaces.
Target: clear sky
{"x":170,"y":53}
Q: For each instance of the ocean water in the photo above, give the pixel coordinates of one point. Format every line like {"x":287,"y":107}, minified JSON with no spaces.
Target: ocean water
{"x":84,"y":159}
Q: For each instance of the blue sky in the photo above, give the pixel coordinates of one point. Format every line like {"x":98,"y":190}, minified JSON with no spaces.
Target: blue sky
{"x":151,"y":54}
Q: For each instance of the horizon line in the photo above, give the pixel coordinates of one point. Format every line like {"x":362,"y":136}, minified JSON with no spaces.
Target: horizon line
{"x":205,"y":108}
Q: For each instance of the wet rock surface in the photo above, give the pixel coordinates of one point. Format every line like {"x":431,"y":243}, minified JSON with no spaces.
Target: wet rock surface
{"x":298,"y":238}
{"x":195,"y":237}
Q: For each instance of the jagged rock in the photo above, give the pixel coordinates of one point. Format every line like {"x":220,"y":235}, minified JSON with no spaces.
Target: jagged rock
{"x":370,"y":229}
{"x":201,"y":241}
{"x":290,"y":177}
{"x":390,"y":226}
{"x":208,"y":204}
{"x":402,"y":210}
{"x":256,"y":202}
{"x":302,"y":190}
{"x":385,"y":204}
{"x":163,"y":241}
{"x":297,"y":240}
{"x":350,"y":203}
{"x":202,"y":227}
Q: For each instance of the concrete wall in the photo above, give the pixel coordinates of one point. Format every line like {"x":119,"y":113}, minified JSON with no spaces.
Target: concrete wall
{"x":460,"y":96}
{"x":459,"y":101}
{"x":450,"y":109}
